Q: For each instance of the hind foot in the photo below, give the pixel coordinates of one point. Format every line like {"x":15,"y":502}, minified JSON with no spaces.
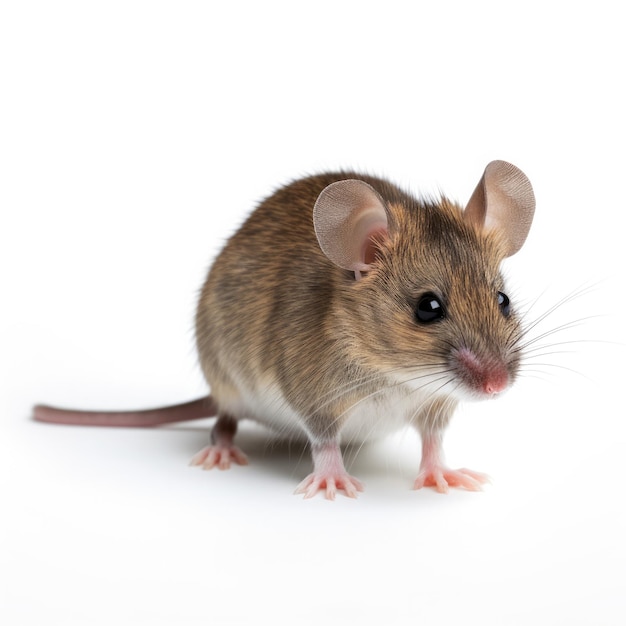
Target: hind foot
{"x":222,"y":451}
{"x":219,"y":456}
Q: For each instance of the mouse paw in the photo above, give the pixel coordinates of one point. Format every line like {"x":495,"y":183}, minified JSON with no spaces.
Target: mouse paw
{"x":442,"y":478}
{"x":329,"y":484}
{"x":219,"y":456}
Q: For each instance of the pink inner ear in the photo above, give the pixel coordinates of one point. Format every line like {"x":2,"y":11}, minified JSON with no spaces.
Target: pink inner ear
{"x":347,"y":216}
{"x":372,"y":244}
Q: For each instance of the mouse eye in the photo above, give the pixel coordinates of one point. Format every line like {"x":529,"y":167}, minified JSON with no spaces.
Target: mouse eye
{"x":429,"y":309}
{"x":504,"y":303}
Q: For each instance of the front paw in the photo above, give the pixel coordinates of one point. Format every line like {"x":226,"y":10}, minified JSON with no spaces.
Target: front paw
{"x":329,"y":483}
{"x":442,"y":478}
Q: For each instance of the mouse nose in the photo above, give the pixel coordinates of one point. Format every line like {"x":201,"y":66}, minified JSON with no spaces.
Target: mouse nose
{"x":495,"y":382}
{"x":487,"y":376}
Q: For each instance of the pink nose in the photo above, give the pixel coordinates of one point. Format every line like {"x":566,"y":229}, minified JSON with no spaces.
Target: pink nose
{"x":495,"y":383}
{"x":489,"y":376}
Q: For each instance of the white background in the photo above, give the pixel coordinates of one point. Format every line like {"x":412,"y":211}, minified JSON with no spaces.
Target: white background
{"x":135,"y":137}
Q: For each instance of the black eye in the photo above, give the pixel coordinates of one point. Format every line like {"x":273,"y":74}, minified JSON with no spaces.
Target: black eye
{"x":429,"y":309}
{"x":504,"y":303}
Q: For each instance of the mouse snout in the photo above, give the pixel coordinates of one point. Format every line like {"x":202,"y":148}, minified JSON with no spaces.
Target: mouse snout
{"x":496,"y":382}
{"x":483,"y":375}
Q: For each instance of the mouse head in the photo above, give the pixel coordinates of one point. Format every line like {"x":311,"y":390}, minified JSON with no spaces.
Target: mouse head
{"x":429,"y":302}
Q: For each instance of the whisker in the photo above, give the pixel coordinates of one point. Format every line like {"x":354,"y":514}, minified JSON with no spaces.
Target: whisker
{"x":563,"y":327}
{"x":383,"y":379}
{"x":565,"y":343}
{"x":532,"y":347}
{"x":432,"y":417}
{"x":384,"y":390}
{"x":345,"y":389}
{"x":577,"y":293}
{"x":555,"y":366}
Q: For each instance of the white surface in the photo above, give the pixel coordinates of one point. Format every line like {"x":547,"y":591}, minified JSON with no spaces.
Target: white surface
{"x":134,"y":139}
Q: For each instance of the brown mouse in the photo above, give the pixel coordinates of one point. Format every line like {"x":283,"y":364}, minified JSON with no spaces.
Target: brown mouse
{"x":345,"y":308}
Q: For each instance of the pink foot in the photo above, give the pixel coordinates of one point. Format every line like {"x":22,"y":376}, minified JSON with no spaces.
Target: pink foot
{"x":433,"y":472}
{"x":221,"y":452}
{"x":329,"y":474}
{"x":219,"y":456}
{"x":442,"y":478}
{"x":329,"y":483}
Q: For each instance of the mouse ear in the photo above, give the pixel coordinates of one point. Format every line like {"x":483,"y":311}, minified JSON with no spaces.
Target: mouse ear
{"x":503,"y":200}
{"x":348,"y":217}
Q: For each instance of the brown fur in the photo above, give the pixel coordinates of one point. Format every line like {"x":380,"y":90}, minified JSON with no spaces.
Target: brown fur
{"x":275,"y":307}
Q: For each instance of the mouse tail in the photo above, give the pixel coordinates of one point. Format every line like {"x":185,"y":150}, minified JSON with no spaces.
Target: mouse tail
{"x":196,"y":409}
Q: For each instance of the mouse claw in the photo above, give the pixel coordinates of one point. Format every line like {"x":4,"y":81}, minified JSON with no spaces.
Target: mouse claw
{"x":442,"y":478}
{"x":329,"y":484}
{"x":219,"y":456}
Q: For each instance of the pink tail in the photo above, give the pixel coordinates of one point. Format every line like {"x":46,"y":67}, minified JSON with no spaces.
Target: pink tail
{"x":203,"y":407}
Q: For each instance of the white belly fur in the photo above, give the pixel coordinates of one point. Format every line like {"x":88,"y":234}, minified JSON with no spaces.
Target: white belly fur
{"x":371,"y":418}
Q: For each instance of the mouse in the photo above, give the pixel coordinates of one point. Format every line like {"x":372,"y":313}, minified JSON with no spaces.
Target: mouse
{"x":345,"y":308}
